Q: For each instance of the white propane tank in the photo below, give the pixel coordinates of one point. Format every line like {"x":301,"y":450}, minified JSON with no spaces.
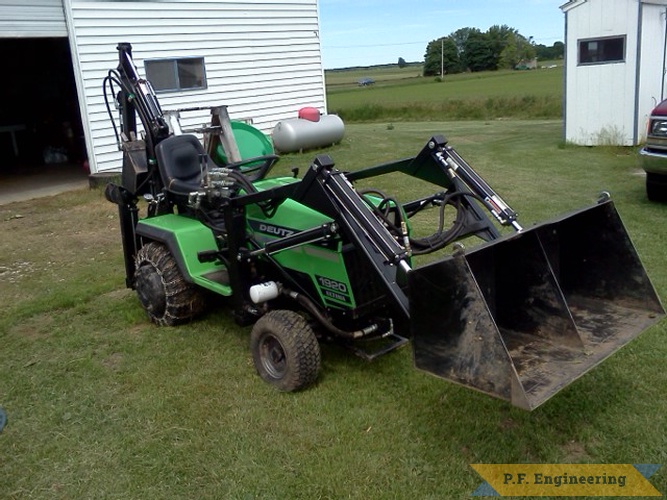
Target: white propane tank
{"x":264,"y":292}
{"x":297,"y":134}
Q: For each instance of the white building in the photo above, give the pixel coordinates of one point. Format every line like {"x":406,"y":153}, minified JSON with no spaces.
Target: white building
{"x":615,"y":62}
{"x":261,"y":58}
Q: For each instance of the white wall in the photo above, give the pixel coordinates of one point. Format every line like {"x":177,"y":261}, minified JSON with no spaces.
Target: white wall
{"x":262,"y":58}
{"x":652,"y":64}
{"x":32,"y":18}
{"x":610,"y":103}
{"x":600,"y":98}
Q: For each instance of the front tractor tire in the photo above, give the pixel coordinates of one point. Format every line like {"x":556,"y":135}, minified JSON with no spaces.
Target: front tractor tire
{"x":163,"y":292}
{"x":285,"y":351}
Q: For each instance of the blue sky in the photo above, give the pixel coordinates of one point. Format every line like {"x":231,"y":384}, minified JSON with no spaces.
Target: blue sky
{"x":367,"y":32}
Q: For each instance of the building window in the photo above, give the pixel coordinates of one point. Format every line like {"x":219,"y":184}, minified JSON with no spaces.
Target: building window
{"x":602,"y":50}
{"x":186,"y":73}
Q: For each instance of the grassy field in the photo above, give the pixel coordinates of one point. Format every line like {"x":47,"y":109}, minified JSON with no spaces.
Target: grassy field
{"x":479,"y":96}
{"x":103,"y":404}
{"x":338,"y":80}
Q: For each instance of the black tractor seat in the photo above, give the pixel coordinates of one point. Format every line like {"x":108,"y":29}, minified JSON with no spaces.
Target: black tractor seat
{"x":181,"y":160}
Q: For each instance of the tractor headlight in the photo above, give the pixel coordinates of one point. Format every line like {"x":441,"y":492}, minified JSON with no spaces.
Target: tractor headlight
{"x":659,"y":128}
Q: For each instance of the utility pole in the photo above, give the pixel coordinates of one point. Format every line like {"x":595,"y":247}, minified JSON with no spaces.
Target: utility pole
{"x":442,"y":58}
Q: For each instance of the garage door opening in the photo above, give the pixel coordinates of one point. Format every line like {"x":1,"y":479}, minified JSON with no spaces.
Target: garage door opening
{"x":41,"y":134}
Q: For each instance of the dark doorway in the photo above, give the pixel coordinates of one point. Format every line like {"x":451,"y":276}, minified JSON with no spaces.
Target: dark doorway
{"x":40,"y":123}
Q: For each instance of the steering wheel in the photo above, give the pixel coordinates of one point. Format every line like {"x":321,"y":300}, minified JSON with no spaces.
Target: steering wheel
{"x":256,"y":172}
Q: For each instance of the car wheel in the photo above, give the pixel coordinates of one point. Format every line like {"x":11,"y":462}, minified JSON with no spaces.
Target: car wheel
{"x":656,"y":187}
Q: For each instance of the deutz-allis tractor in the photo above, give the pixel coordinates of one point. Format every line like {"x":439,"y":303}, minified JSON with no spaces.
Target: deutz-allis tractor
{"x":314,"y":259}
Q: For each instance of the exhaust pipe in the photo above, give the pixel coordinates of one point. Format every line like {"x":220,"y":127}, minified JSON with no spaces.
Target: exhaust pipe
{"x":524,"y":316}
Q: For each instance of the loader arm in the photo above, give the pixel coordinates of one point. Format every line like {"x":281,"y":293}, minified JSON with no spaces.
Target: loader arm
{"x":328,"y":190}
{"x":441,"y":165}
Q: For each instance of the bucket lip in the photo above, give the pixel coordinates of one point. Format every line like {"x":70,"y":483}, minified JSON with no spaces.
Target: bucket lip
{"x":516,"y":235}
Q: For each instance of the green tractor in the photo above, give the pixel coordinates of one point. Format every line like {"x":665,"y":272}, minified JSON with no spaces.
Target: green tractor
{"x":314,"y":259}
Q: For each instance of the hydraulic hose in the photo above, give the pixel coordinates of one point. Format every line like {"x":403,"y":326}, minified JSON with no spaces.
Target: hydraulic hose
{"x":309,"y":306}
{"x":107,"y":86}
{"x":428,"y":244}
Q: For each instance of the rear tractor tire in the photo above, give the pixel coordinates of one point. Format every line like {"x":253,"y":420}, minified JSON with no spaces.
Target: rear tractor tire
{"x":163,"y":292}
{"x":285,"y":351}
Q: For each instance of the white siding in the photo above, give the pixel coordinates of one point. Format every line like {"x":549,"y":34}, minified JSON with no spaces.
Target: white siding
{"x":262,"y":58}
{"x":32,"y":18}
{"x":600,"y":98}
{"x":612,"y":102}
{"x":652,"y":64}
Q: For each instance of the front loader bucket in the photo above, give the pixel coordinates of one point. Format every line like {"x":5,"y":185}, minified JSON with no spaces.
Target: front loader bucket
{"x":524,"y":316}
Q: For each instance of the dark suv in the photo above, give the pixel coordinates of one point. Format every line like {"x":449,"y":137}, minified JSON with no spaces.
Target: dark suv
{"x":654,"y":154}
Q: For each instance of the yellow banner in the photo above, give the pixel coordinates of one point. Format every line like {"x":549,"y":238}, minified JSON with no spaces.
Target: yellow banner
{"x":566,"y":480}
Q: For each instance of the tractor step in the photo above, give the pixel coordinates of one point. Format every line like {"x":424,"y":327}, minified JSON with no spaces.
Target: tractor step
{"x":220,"y":276}
{"x":373,"y":349}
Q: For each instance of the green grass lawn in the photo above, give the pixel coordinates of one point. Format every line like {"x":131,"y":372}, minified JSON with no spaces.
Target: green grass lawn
{"x":103,"y":404}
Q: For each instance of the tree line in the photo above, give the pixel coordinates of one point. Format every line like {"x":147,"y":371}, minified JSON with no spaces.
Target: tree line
{"x":470,"y":49}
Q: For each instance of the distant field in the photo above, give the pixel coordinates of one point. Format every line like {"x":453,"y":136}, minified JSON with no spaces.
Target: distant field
{"x":349,"y":78}
{"x":401,"y":94}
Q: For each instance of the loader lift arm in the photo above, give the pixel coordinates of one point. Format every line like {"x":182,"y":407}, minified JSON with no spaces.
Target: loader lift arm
{"x":329,"y":191}
{"x":454,"y":167}
{"x":441,"y":165}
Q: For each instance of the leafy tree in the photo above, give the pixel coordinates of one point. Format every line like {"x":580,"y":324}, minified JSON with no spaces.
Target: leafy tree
{"x":439,"y":53}
{"x":402,"y":63}
{"x":499,"y":37}
{"x":474,"y":50}
{"x":556,"y":51}
{"x":460,"y":37}
{"x":478,"y":54}
{"x":516,"y":50}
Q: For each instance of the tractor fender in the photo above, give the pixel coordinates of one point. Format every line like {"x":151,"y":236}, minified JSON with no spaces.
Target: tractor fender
{"x":183,"y":236}
{"x":168,"y":238}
